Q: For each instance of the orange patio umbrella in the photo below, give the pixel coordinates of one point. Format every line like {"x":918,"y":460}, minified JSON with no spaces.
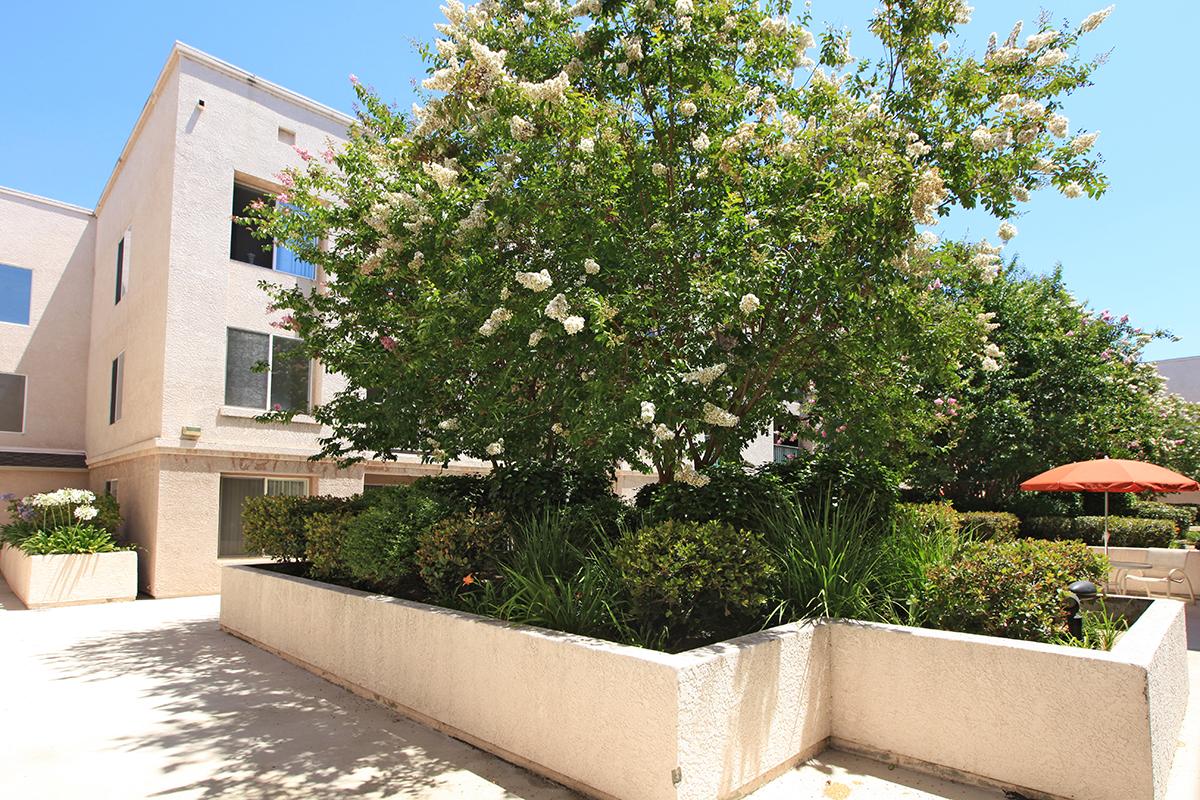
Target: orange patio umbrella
{"x":1110,"y":475}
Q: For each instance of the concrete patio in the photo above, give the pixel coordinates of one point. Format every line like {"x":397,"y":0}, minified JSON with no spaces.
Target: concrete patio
{"x":151,"y":699}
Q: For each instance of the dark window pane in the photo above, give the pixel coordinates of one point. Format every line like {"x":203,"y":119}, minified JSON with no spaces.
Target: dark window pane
{"x":120,"y":291}
{"x":289,"y":375}
{"x":16,"y":286}
{"x":243,"y":246}
{"x":116,"y":389}
{"x":243,"y":386}
{"x":12,"y":403}
{"x":234,"y":492}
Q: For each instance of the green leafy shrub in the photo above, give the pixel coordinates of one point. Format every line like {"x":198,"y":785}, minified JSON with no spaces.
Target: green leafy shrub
{"x":324,"y":534}
{"x":1049,"y":528}
{"x":811,"y":478}
{"x":928,"y":518}
{"x":70,"y":539}
{"x":523,"y":490}
{"x":1120,"y":504}
{"x":994,"y":525}
{"x":459,"y":552}
{"x":735,"y":495}
{"x":459,"y":493}
{"x":1182,"y":516}
{"x":275,"y":525}
{"x":1046,"y":504}
{"x":1014,"y":589}
{"x":697,"y":581}
{"x":1125,"y":531}
{"x":379,"y":545}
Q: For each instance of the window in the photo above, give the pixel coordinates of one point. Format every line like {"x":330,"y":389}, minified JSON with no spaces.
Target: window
{"x":122,"y":283}
{"x":16,"y":289}
{"x":283,"y":386}
{"x":12,"y":403}
{"x":116,"y":389}
{"x":234,"y":493}
{"x":244,"y":247}
{"x":110,"y":489}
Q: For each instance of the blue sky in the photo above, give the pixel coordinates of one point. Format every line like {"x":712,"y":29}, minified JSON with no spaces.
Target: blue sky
{"x":76,"y":75}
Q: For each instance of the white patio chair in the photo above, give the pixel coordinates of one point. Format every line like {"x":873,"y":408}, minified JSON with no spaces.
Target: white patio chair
{"x":1167,"y":572}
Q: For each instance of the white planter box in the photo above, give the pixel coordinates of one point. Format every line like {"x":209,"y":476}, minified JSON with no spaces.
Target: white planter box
{"x":68,"y":580}
{"x":623,"y":722}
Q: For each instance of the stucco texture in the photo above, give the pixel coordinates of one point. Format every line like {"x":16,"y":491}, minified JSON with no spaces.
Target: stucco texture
{"x":68,"y":580}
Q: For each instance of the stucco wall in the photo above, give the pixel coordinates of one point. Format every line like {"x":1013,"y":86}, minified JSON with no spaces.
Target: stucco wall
{"x":69,"y":580}
{"x":137,"y":494}
{"x":1005,"y":710}
{"x":56,"y":242}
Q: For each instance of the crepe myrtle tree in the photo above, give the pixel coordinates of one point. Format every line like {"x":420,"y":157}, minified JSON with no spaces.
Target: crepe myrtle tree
{"x":643,"y":230}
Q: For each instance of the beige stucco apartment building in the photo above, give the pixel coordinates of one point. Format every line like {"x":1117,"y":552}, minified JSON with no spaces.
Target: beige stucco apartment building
{"x":127,"y":332}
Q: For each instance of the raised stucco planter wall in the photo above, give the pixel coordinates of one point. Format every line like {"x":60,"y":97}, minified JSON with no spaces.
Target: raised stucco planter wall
{"x":709,"y":724}
{"x":67,"y":580}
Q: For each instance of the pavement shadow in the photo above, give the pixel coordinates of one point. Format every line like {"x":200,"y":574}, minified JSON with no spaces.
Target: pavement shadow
{"x":226,"y":719}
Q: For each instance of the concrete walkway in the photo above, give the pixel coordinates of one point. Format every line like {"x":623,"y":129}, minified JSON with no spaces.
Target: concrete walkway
{"x":150,"y":699}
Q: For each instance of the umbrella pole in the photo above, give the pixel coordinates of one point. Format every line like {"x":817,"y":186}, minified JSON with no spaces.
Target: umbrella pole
{"x":1106,"y":524}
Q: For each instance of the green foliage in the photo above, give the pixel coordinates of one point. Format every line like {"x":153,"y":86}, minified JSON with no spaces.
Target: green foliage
{"x":379,"y":545}
{"x":1051,"y":528}
{"x":994,"y":525}
{"x":697,"y":581}
{"x":526,"y":489}
{"x":459,"y":493}
{"x":1120,"y":504}
{"x":1014,"y":589}
{"x":1046,"y":504}
{"x":70,"y":539}
{"x":932,"y":519}
{"x":1124,"y":531}
{"x":275,"y":525}
{"x":324,"y":533}
{"x":1181,"y":516}
{"x":569,"y":252}
{"x":735,"y":495}
{"x":108,"y":516}
{"x":459,"y":553}
{"x":1100,"y":629}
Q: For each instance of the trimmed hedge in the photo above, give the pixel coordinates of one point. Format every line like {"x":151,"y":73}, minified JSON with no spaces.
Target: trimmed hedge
{"x":459,"y":553}
{"x":999,"y":526}
{"x":1123,"y":531}
{"x":1014,"y":589}
{"x":379,"y":545}
{"x":1050,"y":528}
{"x":276,"y":525}
{"x":1182,"y":516}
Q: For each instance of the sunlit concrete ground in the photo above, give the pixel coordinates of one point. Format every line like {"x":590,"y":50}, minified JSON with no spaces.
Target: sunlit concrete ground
{"x":150,"y":699}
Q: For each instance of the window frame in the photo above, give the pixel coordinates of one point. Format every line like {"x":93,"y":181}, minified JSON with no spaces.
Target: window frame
{"x":24,"y":402}
{"x":116,"y":389}
{"x":268,"y":194}
{"x":121,"y":287}
{"x":270,"y":372}
{"x":28,"y":300}
{"x":112,"y":487}
{"x":306,"y":480}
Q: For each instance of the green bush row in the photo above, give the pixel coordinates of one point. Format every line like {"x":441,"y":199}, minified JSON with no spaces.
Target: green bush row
{"x":1123,"y":531}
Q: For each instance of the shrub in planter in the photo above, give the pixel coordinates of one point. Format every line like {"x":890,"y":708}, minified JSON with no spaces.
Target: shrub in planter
{"x":928,"y":519}
{"x":324,"y":533}
{"x":1125,"y":531}
{"x":63,"y":521}
{"x":458,"y":493}
{"x":993,"y":525}
{"x":1014,"y":589}
{"x":813,"y":478}
{"x":1046,"y":504}
{"x":734,"y":494}
{"x":527,"y":489}
{"x":275,"y":525}
{"x":379,"y":544}
{"x":1182,"y":516}
{"x":1050,"y":528}
{"x":459,"y":552}
{"x":698,"y":581}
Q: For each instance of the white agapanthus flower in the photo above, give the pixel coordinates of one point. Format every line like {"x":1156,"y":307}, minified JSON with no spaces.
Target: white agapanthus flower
{"x":1007,"y":231}
{"x":719,"y":417}
{"x":1094,"y":20}
{"x":495,"y":448}
{"x":647,"y":412}
{"x":558,"y":308}
{"x":749,"y":304}
{"x":85,"y":513}
{"x":573,"y":325}
{"x":450,"y":424}
{"x":535,"y":281}
{"x":591,"y":266}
